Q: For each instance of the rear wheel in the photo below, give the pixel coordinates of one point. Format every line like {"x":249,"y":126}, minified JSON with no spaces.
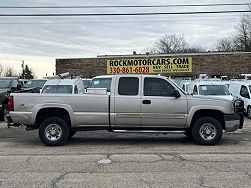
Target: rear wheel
{"x":54,"y":131}
{"x":188,"y":133}
{"x":207,"y":131}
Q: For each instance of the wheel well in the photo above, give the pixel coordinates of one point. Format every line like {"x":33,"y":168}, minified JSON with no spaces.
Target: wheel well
{"x":211,"y":113}
{"x":52,"y":112}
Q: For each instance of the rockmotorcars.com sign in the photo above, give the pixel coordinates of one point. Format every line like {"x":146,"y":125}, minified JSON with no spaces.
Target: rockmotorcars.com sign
{"x":149,"y":65}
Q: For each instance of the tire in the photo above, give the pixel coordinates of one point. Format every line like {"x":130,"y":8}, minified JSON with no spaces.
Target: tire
{"x":188,"y":133}
{"x":249,"y":112}
{"x":207,"y":131}
{"x":54,"y":131}
{"x":71,"y":133}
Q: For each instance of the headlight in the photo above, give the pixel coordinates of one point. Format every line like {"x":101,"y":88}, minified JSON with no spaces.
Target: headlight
{"x":238,"y":106}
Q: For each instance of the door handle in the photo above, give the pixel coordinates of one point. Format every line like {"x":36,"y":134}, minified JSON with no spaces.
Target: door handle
{"x":146,"y":102}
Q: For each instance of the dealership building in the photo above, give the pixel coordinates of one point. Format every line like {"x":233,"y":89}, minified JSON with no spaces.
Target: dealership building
{"x":176,"y":65}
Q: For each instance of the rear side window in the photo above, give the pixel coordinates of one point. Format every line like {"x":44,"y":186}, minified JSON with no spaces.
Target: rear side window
{"x":128,"y":86}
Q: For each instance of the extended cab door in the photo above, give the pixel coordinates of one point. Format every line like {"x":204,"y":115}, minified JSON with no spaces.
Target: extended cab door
{"x":159,"y":108}
{"x":126,"y":108}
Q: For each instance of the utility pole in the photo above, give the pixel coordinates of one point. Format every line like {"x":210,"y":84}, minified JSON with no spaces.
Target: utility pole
{"x":22,"y":68}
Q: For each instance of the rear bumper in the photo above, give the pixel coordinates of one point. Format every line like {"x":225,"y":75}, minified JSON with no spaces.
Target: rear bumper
{"x":8,"y":119}
{"x":233,"y":122}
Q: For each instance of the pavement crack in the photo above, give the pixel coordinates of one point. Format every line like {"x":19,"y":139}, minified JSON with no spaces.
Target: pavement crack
{"x":148,"y":184}
{"x":247,"y":173}
{"x":56,"y":180}
{"x":28,"y":161}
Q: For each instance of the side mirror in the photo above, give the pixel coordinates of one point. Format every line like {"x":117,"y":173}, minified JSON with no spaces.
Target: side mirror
{"x":176,"y":93}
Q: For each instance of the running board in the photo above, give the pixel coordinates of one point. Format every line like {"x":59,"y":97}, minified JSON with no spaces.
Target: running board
{"x":147,"y":131}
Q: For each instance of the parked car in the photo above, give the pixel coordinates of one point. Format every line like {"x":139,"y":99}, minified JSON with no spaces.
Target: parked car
{"x":184,"y":85}
{"x":241,"y":89}
{"x":67,"y":86}
{"x":135,"y":103}
{"x":102,"y":82}
{"x":87,"y":82}
{"x":7,"y":86}
{"x":36,"y":83}
{"x":207,"y":87}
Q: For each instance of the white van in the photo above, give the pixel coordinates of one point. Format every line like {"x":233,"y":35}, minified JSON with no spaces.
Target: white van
{"x":67,"y":86}
{"x":184,"y":85}
{"x":241,"y":89}
{"x":207,"y":87}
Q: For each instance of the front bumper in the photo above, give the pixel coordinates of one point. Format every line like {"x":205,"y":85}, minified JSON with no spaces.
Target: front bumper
{"x":233,"y":122}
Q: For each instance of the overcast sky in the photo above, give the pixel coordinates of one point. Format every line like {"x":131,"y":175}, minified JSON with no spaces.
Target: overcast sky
{"x":39,"y":41}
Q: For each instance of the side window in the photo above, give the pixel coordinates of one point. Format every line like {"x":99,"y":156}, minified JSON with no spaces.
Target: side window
{"x":195,"y":90}
{"x":128,"y":86}
{"x":14,"y":83}
{"x":157,"y":87}
{"x":244,"y":92}
{"x":76,"y":89}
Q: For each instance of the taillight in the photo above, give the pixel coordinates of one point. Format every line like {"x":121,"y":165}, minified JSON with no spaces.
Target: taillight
{"x":10,"y":103}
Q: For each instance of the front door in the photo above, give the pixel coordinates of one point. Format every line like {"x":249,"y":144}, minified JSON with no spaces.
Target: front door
{"x":159,"y":108}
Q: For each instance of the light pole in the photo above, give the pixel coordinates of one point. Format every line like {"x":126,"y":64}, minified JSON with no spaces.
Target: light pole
{"x":22,"y":65}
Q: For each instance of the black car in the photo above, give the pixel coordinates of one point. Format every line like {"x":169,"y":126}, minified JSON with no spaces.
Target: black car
{"x":9,"y":85}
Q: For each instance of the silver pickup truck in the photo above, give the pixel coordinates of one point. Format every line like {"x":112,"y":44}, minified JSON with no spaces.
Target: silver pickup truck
{"x":134,"y":103}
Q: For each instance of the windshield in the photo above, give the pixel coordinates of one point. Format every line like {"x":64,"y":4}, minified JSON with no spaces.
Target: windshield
{"x":87,"y":83}
{"x":57,"y":89}
{"x":213,"y":90}
{"x":101,"y":83}
{"x":35,"y":83}
{"x":4,"y":83}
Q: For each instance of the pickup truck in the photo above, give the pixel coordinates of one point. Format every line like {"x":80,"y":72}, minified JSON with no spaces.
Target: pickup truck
{"x":135,"y":103}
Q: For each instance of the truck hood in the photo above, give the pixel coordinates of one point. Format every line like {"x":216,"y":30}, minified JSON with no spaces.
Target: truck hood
{"x":228,"y":98}
{"x":220,"y":103}
{"x":3,"y":90}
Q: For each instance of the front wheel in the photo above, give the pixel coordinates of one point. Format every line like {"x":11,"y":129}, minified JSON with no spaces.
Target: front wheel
{"x":54,"y":131}
{"x":207,"y":131}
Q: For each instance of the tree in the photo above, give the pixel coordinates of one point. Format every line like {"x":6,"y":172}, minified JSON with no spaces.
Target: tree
{"x":225,"y":45}
{"x":27,"y":73}
{"x":241,"y":40}
{"x":9,"y":72}
{"x":1,"y":70}
{"x":170,"y":44}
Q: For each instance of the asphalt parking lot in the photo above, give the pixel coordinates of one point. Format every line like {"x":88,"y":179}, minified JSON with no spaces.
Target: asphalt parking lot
{"x":102,"y":159}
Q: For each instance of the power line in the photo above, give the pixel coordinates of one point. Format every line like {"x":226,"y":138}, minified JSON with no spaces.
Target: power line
{"x":123,"y":6}
{"x":93,"y":22}
{"x":123,"y":14}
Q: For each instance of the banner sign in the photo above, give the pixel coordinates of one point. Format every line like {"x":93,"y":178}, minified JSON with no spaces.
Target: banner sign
{"x":149,"y":65}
